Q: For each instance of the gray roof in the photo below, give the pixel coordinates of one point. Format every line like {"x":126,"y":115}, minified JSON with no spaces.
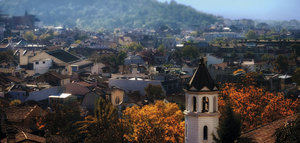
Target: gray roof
{"x":134,"y":60}
{"x":44,"y":94}
{"x":132,"y":85}
{"x":63,"y":56}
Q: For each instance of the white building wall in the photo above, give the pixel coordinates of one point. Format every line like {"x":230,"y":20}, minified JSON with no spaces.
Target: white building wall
{"x":196,"y":121}
{"x":97,"y":68}
{"x":42,"y":66}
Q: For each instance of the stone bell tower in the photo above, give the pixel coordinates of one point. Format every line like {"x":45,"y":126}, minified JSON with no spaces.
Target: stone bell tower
{"x":201,"y":114}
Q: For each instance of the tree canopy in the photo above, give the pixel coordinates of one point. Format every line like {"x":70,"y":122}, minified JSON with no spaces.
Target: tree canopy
{"x":104,"y":126}
{"x":255,"y":105}
{"x":229,"y":129}
{"x":155,"y":123}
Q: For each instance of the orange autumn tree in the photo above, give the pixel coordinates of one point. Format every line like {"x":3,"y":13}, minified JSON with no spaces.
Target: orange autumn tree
{"x":158,"y":123}
{"x":255,"y":105}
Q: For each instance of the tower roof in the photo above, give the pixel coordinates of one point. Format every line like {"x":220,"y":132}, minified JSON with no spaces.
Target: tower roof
{"x":201,"y":80}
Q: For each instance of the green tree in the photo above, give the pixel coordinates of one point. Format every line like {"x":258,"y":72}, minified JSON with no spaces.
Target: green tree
{"x":61,"y":122}
{"x":120,"y":58}
{"x":296,"y":76}
{"x":251,"y":35}
{"x":161,"y":49}
{"x":229,"y":129}
{"x":45,"y":37}
{"x":6,"y":56}
{"x":154,"y":92}
{"x":191,"y":52}
{"x":281,"y":63}
{"x":105,"y":126}
{"x":29,"y":36}
{"x":133,"y":47}
{"x":267,"y":57}
{"x":249,"y":55}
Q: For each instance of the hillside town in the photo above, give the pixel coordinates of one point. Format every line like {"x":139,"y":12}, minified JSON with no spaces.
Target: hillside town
{"x":60,"y":84}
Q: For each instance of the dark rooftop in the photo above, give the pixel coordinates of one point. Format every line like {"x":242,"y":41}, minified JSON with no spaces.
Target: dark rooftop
{"x":201,"y":80}
{"x":63,"y":56}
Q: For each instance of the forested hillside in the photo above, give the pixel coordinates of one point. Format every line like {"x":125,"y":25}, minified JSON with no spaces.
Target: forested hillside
{"x":96,"y":14}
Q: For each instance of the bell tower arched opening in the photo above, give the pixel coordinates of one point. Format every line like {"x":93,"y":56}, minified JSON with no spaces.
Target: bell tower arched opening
{"x":205,"y":104}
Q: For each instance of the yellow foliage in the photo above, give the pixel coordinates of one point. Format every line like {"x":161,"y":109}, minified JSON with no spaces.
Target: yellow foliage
{"x":159,"y":122}
{"x":15,"y":102}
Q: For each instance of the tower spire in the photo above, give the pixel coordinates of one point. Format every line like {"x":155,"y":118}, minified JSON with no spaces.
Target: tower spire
{"x":201,"y":80}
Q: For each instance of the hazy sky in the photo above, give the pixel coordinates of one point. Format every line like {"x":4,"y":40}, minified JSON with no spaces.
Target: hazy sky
{"x":254,"y":9}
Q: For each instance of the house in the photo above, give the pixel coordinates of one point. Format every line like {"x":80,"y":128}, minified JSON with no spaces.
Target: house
{"x":61,"y":59}
{"x":132,"y":84}
{"x":188,"y":70}
{"x":44,"y":94}
{"x":42,"y":66}
{"x":54,"y":78}
{"x":98,"y":68}
{"x":17,"y":92}
{"x":24,"y":118}
{"x":81,"y":66}
{"x":266,"y":133}
{"x":134,"y":59}
{"x":62,"y":98}
{"x":89,"y":101}
{"x":221,"y":72}
{"x":170,"y":82}
{"x":74,"y":89}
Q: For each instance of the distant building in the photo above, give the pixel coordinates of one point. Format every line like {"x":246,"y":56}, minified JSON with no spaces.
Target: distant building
{"x":134,"y":59}
{"x":61,"y":60}
{"x":62,"y":98}
{"x":133,"y":84}
{"x":54,"y":78}
{"x":213,"y":35}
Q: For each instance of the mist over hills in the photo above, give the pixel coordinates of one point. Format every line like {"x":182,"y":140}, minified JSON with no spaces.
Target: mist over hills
{"x":109,"y":14}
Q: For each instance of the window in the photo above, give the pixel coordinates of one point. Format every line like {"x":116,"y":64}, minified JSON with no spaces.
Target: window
{"x":36,"y":63}
{"x":215,"y":104}
{"x":205,"y":104}
{"x":205,"y":133}
{"x":44,"y":62}
{"x":194,"y":104}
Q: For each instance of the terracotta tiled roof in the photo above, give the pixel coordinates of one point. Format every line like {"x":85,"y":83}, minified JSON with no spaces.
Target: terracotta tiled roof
{"x":76,"y":89}
{"x":265,"y":134}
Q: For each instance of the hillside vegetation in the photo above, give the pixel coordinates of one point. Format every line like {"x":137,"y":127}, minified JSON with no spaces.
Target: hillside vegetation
{"x":96,"y":14}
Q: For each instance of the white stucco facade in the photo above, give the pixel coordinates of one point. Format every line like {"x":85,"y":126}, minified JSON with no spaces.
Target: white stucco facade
{"x":201,"y":119}
{"x":42,"y":66}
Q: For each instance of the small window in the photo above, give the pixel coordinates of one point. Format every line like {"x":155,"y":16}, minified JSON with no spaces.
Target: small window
{"x":36,"y":63}
{"x":44,"y":62}
{"x":205,"y":133}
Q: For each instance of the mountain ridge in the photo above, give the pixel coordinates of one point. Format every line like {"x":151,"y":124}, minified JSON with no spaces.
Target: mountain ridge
{"x":109,"y":14}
